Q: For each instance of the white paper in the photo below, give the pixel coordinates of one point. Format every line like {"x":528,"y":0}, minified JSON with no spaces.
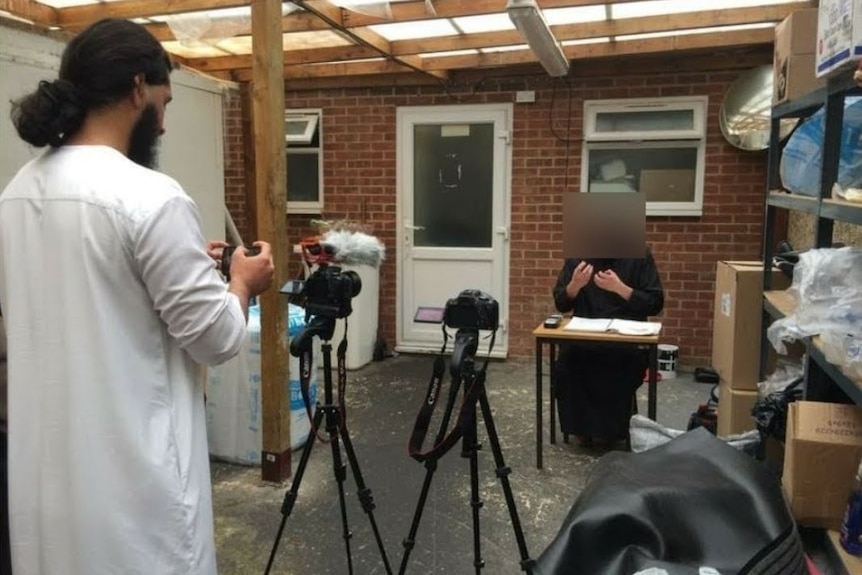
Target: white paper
{"x":588,"y":324}
{"x":620,"y":326}
{"x":628,"y":327}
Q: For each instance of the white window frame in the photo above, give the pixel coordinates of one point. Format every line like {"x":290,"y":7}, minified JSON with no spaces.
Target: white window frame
{"x":314,"y":119}
{"x":691,"y":138}
{"x":311,"y":121}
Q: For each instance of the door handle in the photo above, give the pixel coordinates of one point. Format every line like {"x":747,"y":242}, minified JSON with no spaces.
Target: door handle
{"x":503,"y":231}
{"x":414,"y":228}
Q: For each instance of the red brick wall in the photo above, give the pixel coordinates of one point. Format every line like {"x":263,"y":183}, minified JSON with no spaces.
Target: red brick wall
{"x":360,"y":179}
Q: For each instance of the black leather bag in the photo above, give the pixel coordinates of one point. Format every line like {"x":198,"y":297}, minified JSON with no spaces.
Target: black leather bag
{"x":692,"y":502}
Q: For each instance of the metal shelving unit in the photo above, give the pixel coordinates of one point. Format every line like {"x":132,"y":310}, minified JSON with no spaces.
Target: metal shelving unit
{"x":781,"y":303}
{"x":822,"y":378}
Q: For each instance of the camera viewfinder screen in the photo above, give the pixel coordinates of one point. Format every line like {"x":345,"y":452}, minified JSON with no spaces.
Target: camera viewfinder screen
{"x":429,"y":315}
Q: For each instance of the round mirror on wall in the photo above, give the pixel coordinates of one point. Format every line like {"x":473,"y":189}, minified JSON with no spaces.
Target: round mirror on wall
{"x":746,"y":111}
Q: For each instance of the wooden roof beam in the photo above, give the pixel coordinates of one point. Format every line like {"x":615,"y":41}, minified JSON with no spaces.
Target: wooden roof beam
{"x":667,"y":44}
{"x":81,"y":16}
{"x":415,"y":9}
{"x":643,"y":25}
{"x":291,"y":58}
{"x":31,"y":10}
{"x":328,"y":12}
{"x":293,"y":22}
{"x":334,"y":70}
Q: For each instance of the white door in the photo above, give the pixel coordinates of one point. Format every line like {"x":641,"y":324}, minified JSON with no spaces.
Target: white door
{"x":454,"y":165}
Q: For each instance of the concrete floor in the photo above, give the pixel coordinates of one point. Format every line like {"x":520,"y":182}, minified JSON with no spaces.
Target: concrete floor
{"x":382,"y":402}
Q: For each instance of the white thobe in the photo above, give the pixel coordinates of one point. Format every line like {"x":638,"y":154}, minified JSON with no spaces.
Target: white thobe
{"x":110,"y":302}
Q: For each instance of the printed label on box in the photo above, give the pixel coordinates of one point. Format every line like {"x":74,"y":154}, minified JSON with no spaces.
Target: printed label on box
{"x":725,"y":304}
{"x":838,"y":428}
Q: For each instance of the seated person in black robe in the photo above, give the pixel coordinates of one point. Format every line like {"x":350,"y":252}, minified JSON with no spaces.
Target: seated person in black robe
{"x":595,"y":383}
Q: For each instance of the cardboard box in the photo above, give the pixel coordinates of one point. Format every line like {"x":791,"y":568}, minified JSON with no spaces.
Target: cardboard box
{"x":737,"y":320}
{"x":823,"y":448}
{"x":667,"y":185}
{"x":852,"y":565}
{"x":794,"y":59}
{"x":734,"y":410}
{"x":795,"y":78}
{"x":839,"y":35}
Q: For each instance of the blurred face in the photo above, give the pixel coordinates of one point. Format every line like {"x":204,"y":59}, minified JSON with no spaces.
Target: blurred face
{"x":143,"y":143}
{"x":609,"y":225}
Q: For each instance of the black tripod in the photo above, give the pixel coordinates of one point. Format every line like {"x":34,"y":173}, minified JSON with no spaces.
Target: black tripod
{"x":302,"y":346}
{"x":465,"y":374}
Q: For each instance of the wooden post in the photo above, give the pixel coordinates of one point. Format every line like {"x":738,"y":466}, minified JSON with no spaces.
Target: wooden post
{"x":271,"y":209}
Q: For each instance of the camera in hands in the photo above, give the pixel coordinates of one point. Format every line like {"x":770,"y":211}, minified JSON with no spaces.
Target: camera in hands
{"x":227,"y":255}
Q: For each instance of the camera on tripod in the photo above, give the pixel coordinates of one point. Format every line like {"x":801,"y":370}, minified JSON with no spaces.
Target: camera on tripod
{"x":328,"y":291}
{"x":472,"y":309}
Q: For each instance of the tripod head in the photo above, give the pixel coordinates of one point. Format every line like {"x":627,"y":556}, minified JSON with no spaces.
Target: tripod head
{"x":322,"y":327}
{"x":464,"y":352}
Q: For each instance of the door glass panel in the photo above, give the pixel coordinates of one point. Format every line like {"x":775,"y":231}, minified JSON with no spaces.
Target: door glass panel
{"x":453,"y":178}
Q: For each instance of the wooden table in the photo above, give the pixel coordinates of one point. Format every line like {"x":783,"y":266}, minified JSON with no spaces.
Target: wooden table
{"x":553,"y":337}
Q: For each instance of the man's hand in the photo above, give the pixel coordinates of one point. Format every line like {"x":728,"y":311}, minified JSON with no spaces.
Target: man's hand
{"x":251,"y":275}
{"x":580,"y":277}
{"x":214,"y":250}
{"x":608,"y":280}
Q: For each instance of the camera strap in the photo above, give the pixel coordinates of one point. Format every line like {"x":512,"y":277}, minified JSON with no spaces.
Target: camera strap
{"x":305,"y":367}
{"x":445,"y":441}
{"x":342,"y":375}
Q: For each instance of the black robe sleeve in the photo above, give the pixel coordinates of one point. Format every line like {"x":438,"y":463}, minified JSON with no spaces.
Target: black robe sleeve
{"x":647,"y":292}
{"x":562,"y":301}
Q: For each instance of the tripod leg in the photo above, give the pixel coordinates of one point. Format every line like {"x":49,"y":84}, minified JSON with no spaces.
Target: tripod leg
{"x":410,"y":541}
{"x":364,"y":494}
{"x":527,"y":564}
{"x":430,"y":467}
{"x":290,"y":496}
{"x":332,"y":426}
{"x":471,"y":450}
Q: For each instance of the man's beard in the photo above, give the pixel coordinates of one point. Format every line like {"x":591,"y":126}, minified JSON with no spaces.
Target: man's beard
{"x":144,"y":141}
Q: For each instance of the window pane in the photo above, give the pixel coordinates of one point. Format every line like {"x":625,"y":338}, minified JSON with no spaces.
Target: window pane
{"x":303,"y":178}
{"x":296,"y":127}
{"x":657,"y":121}
{"x":663,"y":174}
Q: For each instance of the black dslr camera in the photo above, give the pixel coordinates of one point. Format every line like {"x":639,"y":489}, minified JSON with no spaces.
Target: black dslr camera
{"x":327,"y":291}
{"x":472,"y":309}
{"x":227,"y":254}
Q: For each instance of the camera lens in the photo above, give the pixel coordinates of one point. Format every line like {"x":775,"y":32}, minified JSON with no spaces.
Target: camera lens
{"x":355,"y":282}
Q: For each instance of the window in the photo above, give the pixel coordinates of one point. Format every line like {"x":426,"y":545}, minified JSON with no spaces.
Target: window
{"x":652,"y":146}
{"x":304,"y":145}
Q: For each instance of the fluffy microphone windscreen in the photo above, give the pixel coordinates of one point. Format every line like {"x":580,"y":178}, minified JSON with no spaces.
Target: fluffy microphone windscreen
{"x":354,"y":248}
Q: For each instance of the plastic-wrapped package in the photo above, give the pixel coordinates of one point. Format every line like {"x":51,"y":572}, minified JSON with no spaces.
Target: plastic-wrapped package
{"x":844,"y":350}
{"x":827,"y":284}
{"x":802,"y":157}
{"x":847,"y":194}
{"x":785,"y":373}
{"x":233,"y":396}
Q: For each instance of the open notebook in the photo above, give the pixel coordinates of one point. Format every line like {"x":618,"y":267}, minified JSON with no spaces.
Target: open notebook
{"x":621,"y":326}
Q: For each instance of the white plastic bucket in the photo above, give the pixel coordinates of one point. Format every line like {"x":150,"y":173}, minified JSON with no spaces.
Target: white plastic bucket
{"x":667,"y":358}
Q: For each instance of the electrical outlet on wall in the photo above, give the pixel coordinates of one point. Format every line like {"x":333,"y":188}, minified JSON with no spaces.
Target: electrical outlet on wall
{"x":525,"y":96}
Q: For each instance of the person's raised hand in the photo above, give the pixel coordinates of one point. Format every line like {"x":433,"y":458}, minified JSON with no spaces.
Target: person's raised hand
{"x":608,"y":280}
{"x":580,"y":277}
